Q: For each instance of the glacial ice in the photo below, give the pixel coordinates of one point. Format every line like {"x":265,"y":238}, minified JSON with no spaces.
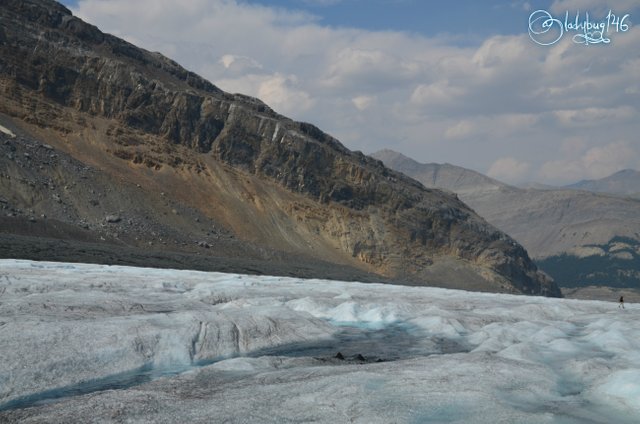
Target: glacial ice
{"x":114,"y":343}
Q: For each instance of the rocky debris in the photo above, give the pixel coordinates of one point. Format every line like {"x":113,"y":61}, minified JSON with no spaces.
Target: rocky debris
{"x":26,"y":181}
{"x":358,"y":358}
{"x":112,"y":219}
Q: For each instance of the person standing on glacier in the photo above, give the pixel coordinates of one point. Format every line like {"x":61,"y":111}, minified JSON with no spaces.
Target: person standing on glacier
{"x":621,"y":305}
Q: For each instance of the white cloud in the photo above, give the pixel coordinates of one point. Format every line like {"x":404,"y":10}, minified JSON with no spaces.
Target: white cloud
{"x":596,"y":162}
{"x":371,"y":68}
{"x":240,"y":64}
{"x":431,"y":98}
{"x":462,"y":129}
{"x":509,"y":169}
{"x":492,"y":126}
{"x":281,"y":93}
{"x":593,"y":116}
{"x":573,"y":146}
{"x":363,"y":102}
{"x":604,"y":160}
{"x":436,"y":95}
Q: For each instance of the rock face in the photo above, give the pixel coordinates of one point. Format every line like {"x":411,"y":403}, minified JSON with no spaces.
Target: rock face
{"x":574,"y":235}
{"x":140,"y":119}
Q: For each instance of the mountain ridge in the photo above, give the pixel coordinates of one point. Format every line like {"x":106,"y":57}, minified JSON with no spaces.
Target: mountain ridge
{"x":566,"y":231}
{"x":623,"y":182}
{"x":445,"y":176}
{"x":136,"y":116}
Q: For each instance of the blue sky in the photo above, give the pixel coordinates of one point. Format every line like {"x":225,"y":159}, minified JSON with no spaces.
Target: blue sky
{"x":453,"y":81}
{"x":472,"y":17}
{"x":470,"y":20}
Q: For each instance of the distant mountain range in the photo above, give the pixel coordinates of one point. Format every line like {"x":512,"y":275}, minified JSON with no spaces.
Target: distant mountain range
{"x":129,"y":158}
{"x":449,"y":177}
{"x":579,"y":237}
{"x":625,"y":182}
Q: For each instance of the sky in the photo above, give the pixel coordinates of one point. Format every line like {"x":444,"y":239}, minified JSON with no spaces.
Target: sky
{"x":460,"y":82}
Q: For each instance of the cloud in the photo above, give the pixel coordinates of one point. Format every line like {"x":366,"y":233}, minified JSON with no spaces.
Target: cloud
{"x":596,"y":162}
{"x":462,"y":129}
{"x":437,"y":95}
{"x":473,"y":104}
{"x":239,"y":64}
{"x":573,"y":146}
{"x":509,"y":169}
{"x":368,"y":68}
{"x":491,"y":126}
{"x":593,"y":116}
{"x":281,"y":92}
{"x":363,"y":102}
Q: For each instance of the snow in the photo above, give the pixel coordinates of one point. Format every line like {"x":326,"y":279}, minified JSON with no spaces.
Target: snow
{"x":7,"y":131}
{"x":88,"y":342}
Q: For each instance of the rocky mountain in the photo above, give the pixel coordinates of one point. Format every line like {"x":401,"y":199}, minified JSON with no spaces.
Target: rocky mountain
{"x":625,"y":182}
{"x":116,"y":146}
{"x":578,"y":237}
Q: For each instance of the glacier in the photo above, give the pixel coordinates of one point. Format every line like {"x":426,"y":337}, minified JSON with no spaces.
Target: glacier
{"x":81,"y":342}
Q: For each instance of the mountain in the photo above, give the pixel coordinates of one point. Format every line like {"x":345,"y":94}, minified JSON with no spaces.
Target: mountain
{"x":139,"y":159}
{"x":578,"y":237}
{"x":537,"y":186}
{"x":443,"y":176}
{"x":625,"y":182}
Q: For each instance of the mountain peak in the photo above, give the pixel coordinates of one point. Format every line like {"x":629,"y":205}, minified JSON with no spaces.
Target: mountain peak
{"x":443,"y":176}
{"x":624,"y":182}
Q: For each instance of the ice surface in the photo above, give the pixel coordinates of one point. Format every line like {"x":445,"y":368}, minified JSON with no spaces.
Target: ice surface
{"x":99,"y":343}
